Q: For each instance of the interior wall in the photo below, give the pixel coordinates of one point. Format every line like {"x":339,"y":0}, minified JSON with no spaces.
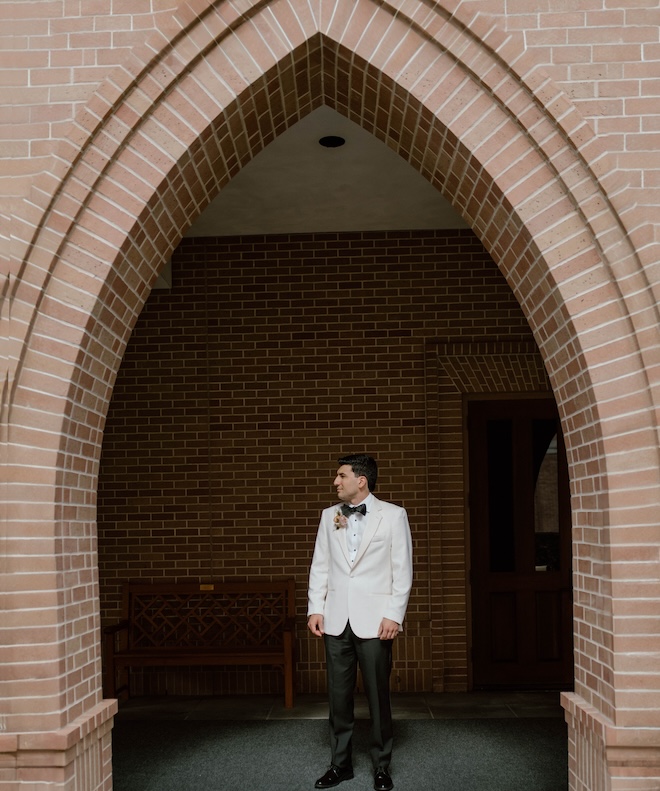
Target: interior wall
{"x":269,"y":357}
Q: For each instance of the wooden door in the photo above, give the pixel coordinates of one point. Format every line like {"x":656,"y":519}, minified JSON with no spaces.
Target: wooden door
{"x":520,"y":546}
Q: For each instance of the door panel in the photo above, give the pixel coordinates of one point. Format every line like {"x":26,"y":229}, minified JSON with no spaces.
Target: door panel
{"x":503,"y":627}
{"x":520,"y":546}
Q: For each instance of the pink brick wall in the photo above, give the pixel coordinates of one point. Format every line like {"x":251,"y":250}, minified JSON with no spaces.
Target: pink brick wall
{"x":539,"y":124}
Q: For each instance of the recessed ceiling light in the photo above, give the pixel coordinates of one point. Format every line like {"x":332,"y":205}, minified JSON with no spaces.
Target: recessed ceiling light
{"x":332,"y":141}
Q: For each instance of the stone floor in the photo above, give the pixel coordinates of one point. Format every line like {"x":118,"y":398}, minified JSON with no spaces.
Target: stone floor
{"x":471,"y":705}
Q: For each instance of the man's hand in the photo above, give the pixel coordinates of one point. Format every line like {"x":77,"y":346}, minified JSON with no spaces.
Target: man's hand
{"x":315,"y":624}
{"x":388,"y":630}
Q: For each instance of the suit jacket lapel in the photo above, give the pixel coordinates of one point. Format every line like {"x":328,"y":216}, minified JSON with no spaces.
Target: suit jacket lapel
{"x":340,"y":536}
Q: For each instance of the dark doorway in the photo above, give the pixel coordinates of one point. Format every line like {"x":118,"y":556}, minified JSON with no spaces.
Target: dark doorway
{"x":520,"y":546}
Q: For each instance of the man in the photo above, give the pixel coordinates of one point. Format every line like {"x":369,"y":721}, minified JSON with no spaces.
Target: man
{"x":359,"y":585}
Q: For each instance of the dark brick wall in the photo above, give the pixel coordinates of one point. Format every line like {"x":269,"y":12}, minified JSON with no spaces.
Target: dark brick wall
{"x":241,"y":386}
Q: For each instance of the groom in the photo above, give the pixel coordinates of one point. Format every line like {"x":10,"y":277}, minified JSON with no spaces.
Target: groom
{"x":359,"y":584}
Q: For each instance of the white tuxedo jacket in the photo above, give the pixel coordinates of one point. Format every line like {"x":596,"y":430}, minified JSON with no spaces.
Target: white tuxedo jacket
{"x":376,"y":586}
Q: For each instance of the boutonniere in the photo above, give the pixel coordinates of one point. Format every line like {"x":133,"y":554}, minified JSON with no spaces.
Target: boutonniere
{"x":340,"y":520}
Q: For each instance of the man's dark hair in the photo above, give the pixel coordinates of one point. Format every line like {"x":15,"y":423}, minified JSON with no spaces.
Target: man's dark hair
{"x":361,"y":464}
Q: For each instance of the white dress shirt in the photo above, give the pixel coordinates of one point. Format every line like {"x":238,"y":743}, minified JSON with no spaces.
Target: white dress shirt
{"x":355,"y":528}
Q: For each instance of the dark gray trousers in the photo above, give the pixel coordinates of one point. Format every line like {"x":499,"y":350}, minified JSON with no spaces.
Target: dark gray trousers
{"x":374,"y":657}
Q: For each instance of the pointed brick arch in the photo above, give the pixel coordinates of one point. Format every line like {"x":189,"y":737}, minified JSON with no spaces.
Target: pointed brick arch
{"x":203,"y":96}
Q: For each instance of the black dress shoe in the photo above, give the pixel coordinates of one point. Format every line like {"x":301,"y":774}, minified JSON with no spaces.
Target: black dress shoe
{"x":334,"y":776}
{"x":382,"y":780}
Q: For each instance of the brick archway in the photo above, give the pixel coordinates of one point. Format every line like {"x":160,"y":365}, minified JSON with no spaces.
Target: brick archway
{"x":153,"y":147}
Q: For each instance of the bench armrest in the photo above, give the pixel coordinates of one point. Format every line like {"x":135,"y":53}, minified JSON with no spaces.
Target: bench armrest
{"x":116,"y":627}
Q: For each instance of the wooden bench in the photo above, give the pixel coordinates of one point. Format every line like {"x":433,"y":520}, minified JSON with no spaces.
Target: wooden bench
{"x":213,"y":624}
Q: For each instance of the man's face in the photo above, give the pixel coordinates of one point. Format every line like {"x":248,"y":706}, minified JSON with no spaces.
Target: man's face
{"x":350,"y":488}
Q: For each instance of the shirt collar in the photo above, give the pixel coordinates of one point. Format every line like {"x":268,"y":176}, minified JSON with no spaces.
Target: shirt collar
{"x":368,"y":501}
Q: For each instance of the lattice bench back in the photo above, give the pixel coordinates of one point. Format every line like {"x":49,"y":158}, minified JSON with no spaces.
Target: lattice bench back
{"x":219,"y":615}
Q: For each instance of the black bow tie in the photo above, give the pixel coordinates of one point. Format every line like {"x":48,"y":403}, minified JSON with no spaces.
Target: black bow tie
{"x":347,"y":510}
